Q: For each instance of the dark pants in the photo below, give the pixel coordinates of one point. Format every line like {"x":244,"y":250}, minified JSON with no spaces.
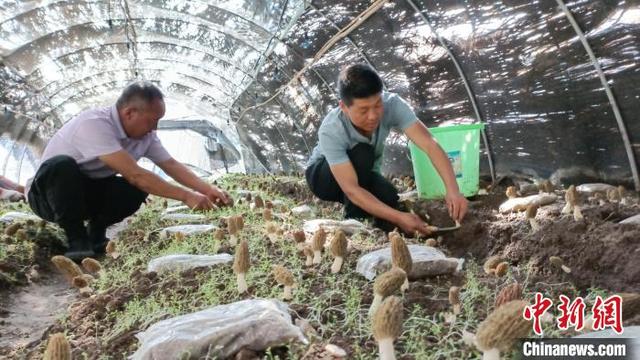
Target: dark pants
{"x":324,"y":185}
{"x":61,"y":193}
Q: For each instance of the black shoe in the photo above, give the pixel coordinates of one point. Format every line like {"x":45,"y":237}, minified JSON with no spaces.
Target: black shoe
{"x":100,"y":246}
{"x":79,"y":248}
{"x":97,"y":237}
{"x":79,"y":244}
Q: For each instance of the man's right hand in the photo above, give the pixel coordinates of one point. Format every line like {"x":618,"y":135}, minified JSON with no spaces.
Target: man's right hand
{"x":411,"y":223}
{"x":197,"y":201}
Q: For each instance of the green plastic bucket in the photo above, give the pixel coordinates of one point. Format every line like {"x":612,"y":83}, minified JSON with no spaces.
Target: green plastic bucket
{"x":462,"y":145}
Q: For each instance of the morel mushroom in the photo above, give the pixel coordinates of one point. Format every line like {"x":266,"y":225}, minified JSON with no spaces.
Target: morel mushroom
{"x":299,"y":237}
{"x":501,"y":269}
{"x":491,"y":263}
{"x":241,"y":264}
{"x":339,"y":245}
{"x":239,"y":222}
{"x":58,"y":348}
{"x":12,"y":229}
{"x":508,"y":293}
{"x":92,"y":266}
{"x":454,"y":299}
{"x":258,"y":202}
{"x":284,"y":277}
{"x":501,"y":329}
{"x":613,"y":195}
{"x":308,"y":252}
{"x":232,"y":227}
{"x":622,"y":192}
{"x":317,"y":244}
{"x":218,"y":234}
{"x":111,"y":249}
{"x":387,"y":326}
{"x":386,"y":284}
{"x":532,"y":211}
{"x":267,"y":214}
{"x":67,"y":267}
{"x":571,"y":197}
{"x":272,"y":229}
{"x":82,"y":284}
{"x":630,"y":305}
{"x":558,"y":262}
{"x":400,"y":256}
{"x":546,"y":187}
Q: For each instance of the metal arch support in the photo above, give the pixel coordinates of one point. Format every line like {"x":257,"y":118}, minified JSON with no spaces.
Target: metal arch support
{"x":293,"y":120}
{"x":47,"y":36}
{"x":116,"y":82}
{"x":15,"y":124}
{"x":258,"y":63}
{"x":68,"y":85}
{"x":133,"y":39}
{"x":24,"y":152}
{"x":322,"y":79}
{"x":13,"y":145}
{"x":612,"y":99}
{"x":271,"y":38}
{"x":217,"y":57}
{"x":104,"y":84}
{"x":164,"y":43}
{"x":56,"y":119}
{"x":6,"y":159}
{"x":465,"y":81}
{"x":211,"y":73}
{"x":222,"y":10}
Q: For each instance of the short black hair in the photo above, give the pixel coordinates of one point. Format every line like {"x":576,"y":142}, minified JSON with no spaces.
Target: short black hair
{"x":358,"y":81}
{"x":139,"y":90}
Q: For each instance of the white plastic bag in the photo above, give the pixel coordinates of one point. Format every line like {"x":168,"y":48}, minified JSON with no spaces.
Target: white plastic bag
{"x":183,"y":217}
{"x":220,"y":331}
{"x":635,"y":219}
{"x":186,"y":230}
{"x":427,"y":261}
{"x":521,"y":203}
{"x":14,"y":215}
{"x":349,"y":226}
{"x":594,"y":188}
{"x":181,"y":262}
{"x":176,"y":209}
{"x":302,"y":211}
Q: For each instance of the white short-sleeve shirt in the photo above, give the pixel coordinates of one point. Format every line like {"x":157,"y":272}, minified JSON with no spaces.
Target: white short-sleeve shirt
{"x":97,"y":132}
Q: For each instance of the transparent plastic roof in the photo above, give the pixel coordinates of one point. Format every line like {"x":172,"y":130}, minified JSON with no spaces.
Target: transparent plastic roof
{"x":555,"y":102}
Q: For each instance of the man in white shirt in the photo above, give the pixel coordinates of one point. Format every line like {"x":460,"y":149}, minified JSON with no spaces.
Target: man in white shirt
{"x":76,"y":179}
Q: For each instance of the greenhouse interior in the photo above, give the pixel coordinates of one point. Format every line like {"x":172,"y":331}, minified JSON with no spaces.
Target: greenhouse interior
{"x":203,"y":179}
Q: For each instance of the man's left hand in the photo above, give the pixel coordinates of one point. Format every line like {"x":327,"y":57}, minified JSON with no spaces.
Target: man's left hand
{"x":218,"y":196}
{"x":457,"y":205}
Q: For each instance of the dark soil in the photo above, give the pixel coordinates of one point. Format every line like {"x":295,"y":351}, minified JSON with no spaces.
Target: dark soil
{"x":601,"y":252}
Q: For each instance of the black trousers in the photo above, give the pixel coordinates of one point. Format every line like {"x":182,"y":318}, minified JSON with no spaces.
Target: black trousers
{"x":61,"y":193}
{"x":324,"y":185}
